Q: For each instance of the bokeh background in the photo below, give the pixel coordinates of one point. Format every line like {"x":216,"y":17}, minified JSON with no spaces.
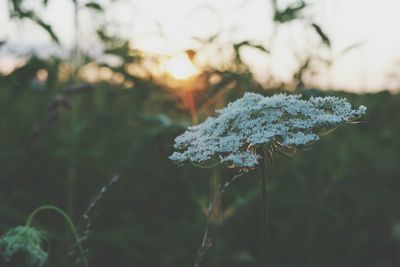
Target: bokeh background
{"x":91,"y":90}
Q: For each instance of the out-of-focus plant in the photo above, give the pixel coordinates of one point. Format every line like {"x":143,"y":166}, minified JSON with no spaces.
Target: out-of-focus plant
{"x":290,"y":13}
{"x":27,"y":239}
{"x":309,"y":60}
{"x":253,"y":129}
{"x":32,"y":242}
{"x":18,"y":10}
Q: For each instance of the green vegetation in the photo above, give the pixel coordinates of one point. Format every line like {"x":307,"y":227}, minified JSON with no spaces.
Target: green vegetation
{"x":336,"y":203}
{"x":90,"y":141}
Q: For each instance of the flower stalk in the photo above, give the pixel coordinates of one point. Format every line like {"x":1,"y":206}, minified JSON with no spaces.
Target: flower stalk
{"x":263,"y":181}
{"x":254,"y":128}
{"x":69,"y":222}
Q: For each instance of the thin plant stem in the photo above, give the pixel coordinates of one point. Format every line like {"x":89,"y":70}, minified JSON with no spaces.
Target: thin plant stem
{"x":76,"y":52}
{"x":70,"y":190}
{"x":215,"y":185}
{"x":216,"y":217}
{"x":192,"y":107}
{"x":263,"y":180}
{"x":69,"y":222}
{"x":206,"y":242}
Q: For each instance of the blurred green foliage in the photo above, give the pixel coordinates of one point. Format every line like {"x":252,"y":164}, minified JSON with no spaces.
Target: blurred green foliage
{"x":335,"y":205}
{"x":62,"y":139}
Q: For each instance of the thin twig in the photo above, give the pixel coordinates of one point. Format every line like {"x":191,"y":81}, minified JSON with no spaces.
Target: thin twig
{"x":60,"y":103}
{"x":207,"y":241}
{"x":85,"y":224}
{"x":99,"y":196}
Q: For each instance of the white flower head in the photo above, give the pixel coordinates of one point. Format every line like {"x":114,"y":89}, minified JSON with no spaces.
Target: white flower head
{"x":253,"y":121}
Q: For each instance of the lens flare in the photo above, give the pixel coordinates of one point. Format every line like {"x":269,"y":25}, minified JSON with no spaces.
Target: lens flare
{"x":179,"y":67}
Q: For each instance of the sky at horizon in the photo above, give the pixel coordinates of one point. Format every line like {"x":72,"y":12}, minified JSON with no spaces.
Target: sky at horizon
{"x":159,"y":26}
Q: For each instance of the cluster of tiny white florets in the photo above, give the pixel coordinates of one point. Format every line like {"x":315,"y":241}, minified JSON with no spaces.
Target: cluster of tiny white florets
{"x":233,"y":136}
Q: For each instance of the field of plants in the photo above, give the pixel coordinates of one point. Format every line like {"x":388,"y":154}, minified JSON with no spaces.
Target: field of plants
{"x":86,"y":176}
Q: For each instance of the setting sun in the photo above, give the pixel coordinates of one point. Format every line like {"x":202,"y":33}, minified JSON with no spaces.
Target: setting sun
{"x":179,"y":67}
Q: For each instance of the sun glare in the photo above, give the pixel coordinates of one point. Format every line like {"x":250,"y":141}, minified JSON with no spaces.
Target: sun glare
{"x":179,"y":67}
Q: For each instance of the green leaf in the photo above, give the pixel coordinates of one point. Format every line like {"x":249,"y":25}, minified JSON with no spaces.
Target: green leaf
{"x":290,"y":13}
{"x":29,"y":14}
{"x":259,"y":47}
{"x":101,"y":33}
{"x":350,"y":48}
{"x":48,"y":29}
{"x":236,"y":48}
{"x":94,"y":5}
{"x":325,"y":39}
{"x":16,"y":4}
{"x":207,"y":40}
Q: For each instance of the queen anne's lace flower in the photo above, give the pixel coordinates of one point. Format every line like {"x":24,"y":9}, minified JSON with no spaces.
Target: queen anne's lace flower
{"x":254,"y":120}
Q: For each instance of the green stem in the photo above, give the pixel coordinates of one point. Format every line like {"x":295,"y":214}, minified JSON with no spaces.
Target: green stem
{"x":263,"y":180}
{"x":216,"y":215}
{"x":69,"y":222}
{"x":70,"y":191}
{"x":214,"y":192}
{"x":76,"y":55}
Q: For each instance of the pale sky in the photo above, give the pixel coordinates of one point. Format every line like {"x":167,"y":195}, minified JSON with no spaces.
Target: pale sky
{"x":373,"y":22}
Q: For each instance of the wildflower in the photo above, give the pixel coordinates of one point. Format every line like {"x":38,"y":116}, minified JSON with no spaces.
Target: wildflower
{"x":282,"y":121}
{"x":24,"y":239}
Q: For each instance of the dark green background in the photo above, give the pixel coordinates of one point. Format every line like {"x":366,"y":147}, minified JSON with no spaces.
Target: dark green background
{"x":334,"y":205}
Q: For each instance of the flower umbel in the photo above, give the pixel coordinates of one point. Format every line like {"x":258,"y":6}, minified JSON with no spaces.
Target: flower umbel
{"x":280,"y":122}
{"x":24,"y":239}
